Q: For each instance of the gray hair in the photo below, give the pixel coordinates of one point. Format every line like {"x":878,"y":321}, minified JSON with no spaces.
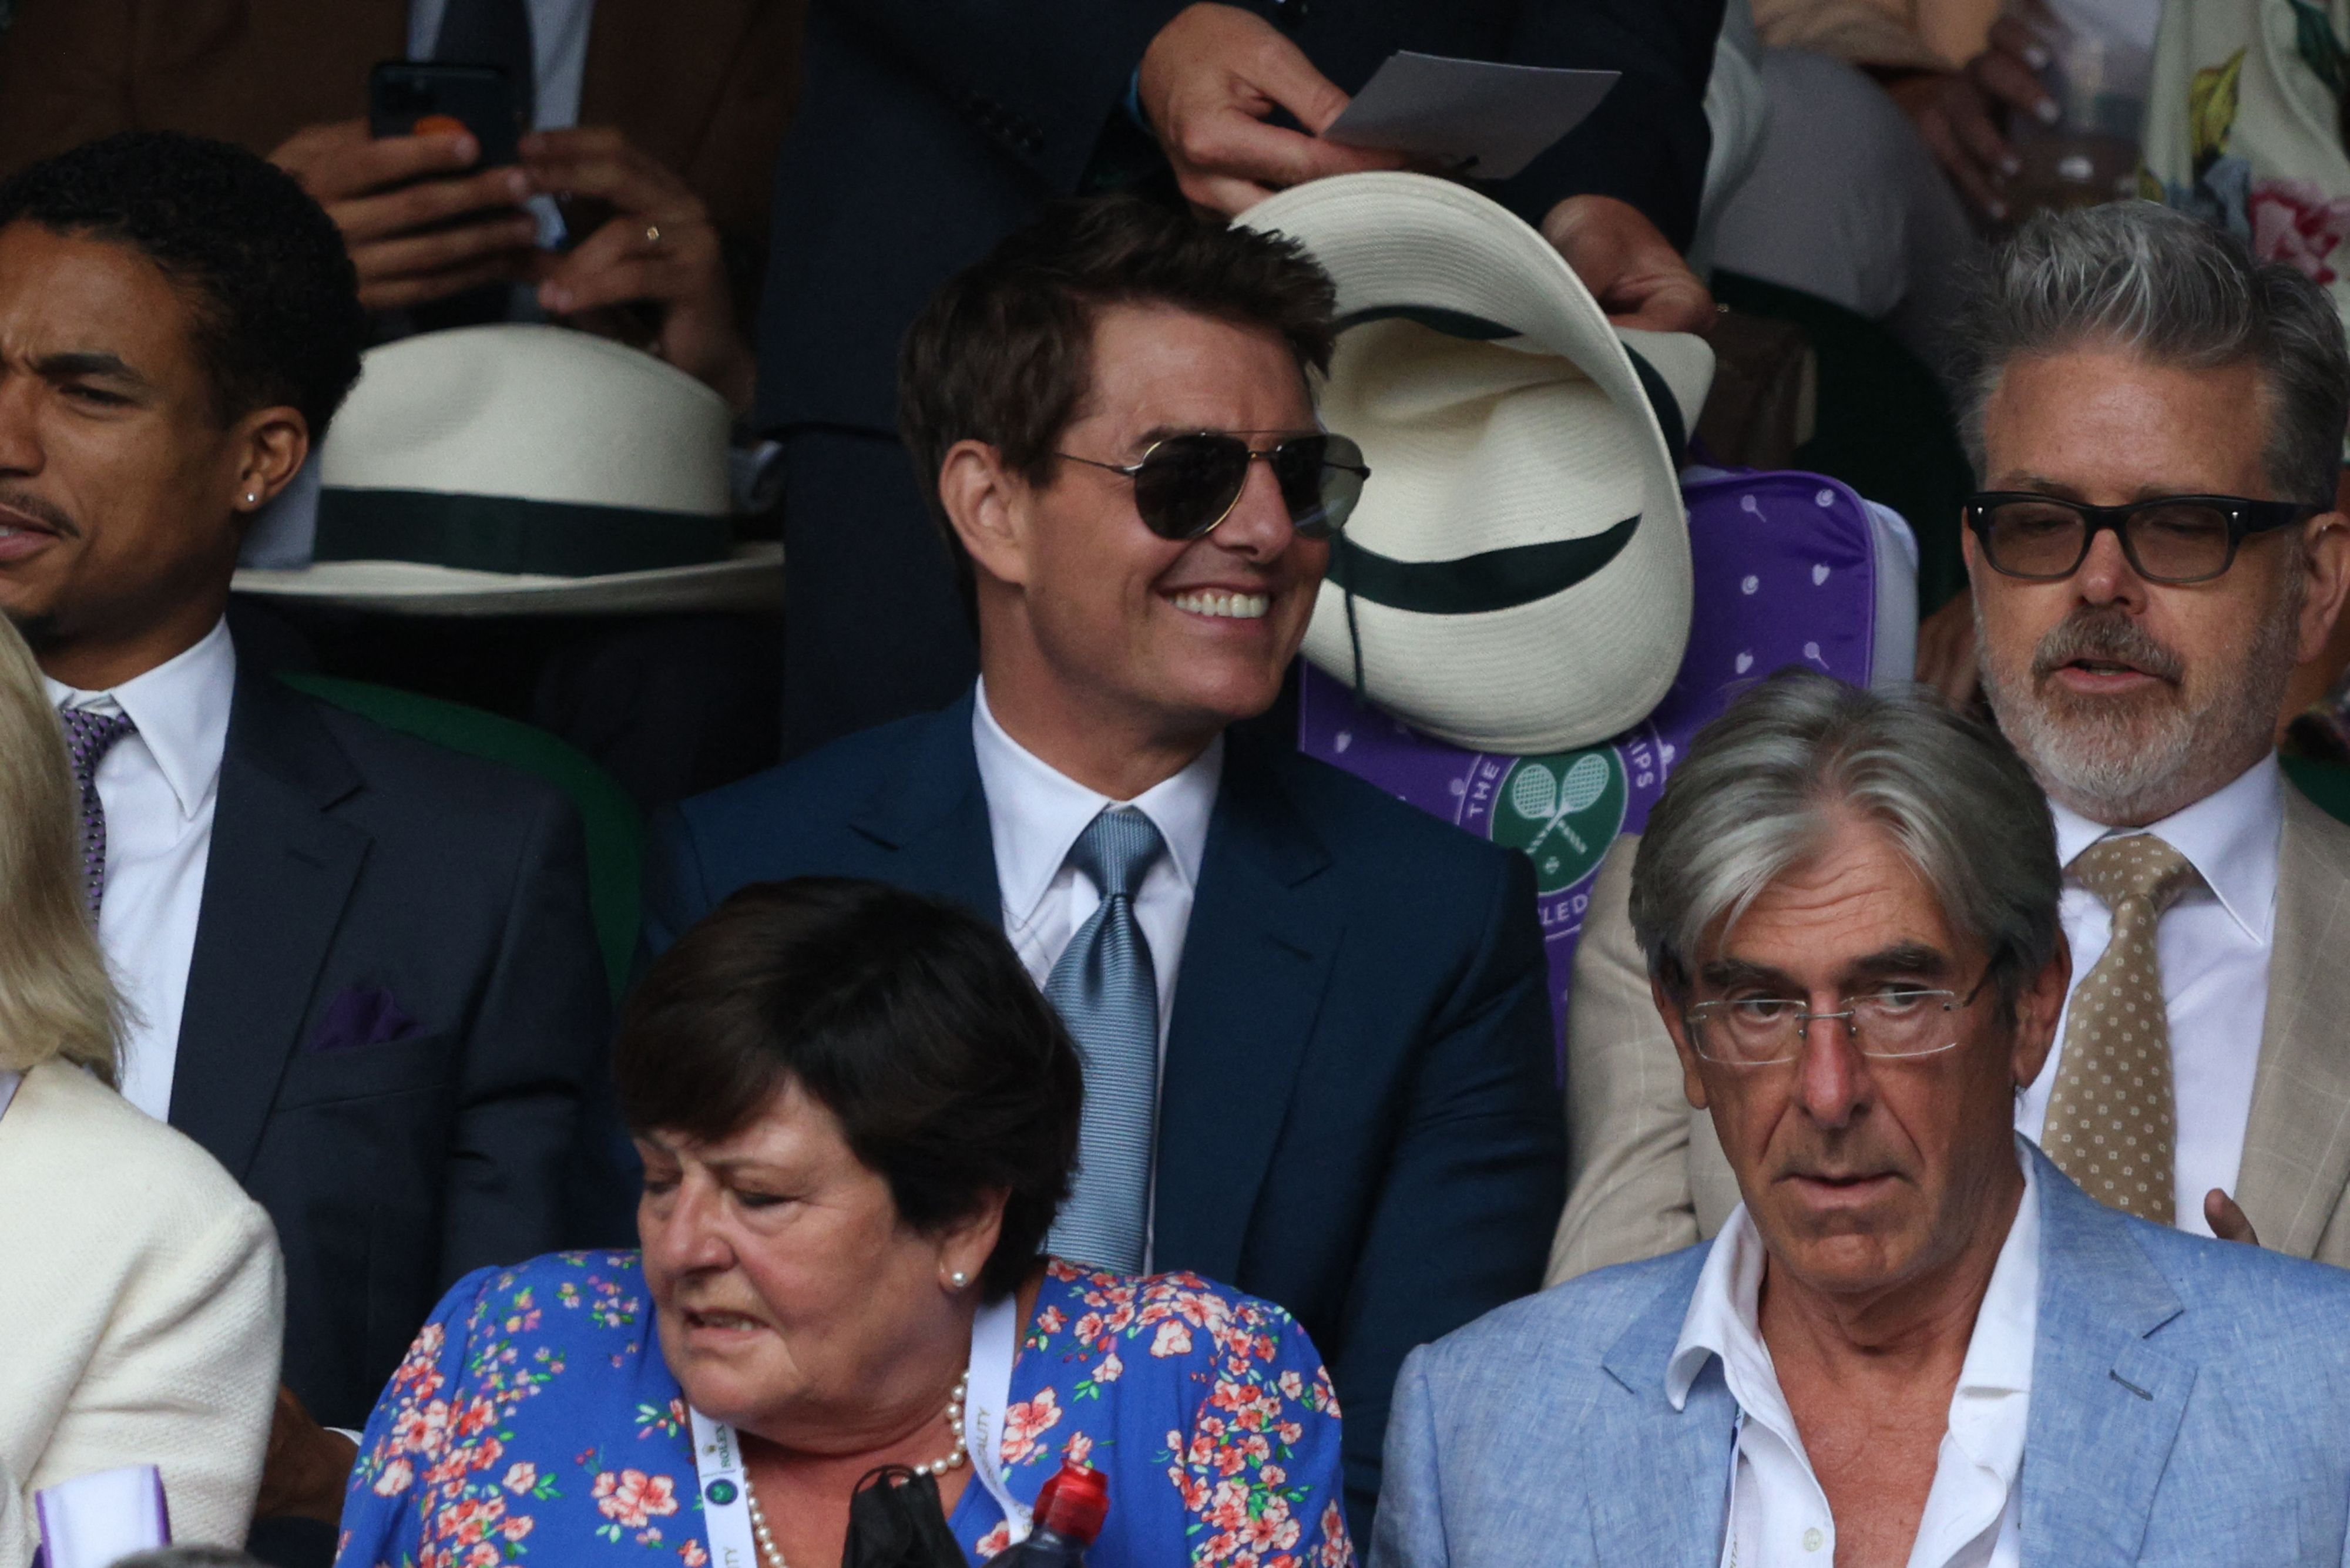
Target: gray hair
{"x":2142,"y":278}
{"x":1761,"y":790}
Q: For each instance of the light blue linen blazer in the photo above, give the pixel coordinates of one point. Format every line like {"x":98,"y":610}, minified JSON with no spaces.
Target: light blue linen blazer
{"x":2191,"y":1406}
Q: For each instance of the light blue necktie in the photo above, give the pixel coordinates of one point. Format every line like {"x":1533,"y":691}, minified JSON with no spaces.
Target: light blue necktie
{"x":1108,"y":993}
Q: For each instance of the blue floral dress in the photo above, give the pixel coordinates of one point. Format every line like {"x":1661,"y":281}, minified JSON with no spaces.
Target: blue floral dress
{"x":535,"y":1417}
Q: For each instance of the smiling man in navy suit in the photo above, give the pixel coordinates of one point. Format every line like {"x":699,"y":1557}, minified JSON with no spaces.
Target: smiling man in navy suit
{"x":1318,"y":1063}
{"x":360,"y":970}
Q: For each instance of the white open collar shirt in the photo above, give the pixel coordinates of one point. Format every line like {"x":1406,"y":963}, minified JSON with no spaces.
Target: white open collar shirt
{"x":159,"y":787}
{"x":2214,"y":945}
{"x":1779,"y":1517}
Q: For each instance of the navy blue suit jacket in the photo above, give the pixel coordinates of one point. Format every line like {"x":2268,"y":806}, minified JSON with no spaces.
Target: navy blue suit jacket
{"x":1357,"y":1118}
{"x":349,"y":861}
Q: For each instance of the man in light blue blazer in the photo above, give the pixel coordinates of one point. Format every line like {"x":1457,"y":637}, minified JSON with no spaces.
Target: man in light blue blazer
{"x":1916,"y":1341}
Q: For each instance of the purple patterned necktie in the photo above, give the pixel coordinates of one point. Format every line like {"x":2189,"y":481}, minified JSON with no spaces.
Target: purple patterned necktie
{"x":89,"y":737}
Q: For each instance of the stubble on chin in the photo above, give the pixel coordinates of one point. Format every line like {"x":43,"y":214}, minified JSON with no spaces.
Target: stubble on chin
{"x":2133,"y":758}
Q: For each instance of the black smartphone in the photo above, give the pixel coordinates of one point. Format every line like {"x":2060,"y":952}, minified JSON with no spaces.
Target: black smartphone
{"x":414,"y":98}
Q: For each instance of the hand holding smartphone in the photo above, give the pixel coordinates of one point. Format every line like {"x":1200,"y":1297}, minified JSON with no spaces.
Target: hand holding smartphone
{"x":425,"y":213}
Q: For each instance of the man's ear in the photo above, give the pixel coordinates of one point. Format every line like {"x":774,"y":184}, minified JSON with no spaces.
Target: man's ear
{"x":272,"y":444}
{"x":1692,"y":1084}
{"x":2326,"y":549}
{"x":985,"y":504}
{"x":2037,"y":1007}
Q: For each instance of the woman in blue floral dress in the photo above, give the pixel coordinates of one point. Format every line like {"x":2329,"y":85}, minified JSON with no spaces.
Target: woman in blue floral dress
{"x":858,"y":1118}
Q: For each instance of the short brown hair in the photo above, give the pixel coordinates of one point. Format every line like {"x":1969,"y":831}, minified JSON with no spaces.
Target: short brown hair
{"x":909,"y":1019}
{"x":1003,"y":353}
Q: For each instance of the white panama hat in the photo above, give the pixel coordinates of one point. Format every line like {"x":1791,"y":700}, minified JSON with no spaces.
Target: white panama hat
{"x":508,"y":470}
{"x":1516,"y":576}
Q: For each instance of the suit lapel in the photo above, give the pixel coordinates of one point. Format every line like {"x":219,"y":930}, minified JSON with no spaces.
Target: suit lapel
{"x":2297,"y":1141}
{"x":276,"y":883}
{"x":930,"y":813}
{"x":1659,"y":1487}
{"x":2106,"y":1402}
{"x":1265,"y":927}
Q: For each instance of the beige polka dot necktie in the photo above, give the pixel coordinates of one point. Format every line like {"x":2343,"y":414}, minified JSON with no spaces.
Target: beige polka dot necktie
{"x":2110,"y":1125}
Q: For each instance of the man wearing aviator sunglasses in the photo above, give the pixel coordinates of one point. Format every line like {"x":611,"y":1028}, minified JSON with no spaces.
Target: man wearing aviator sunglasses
{"x":2157,"y":423}
{"x":1317,"y":1050}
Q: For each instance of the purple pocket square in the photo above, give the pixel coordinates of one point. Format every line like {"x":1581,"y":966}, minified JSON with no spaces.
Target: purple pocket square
{"x":362,"y":1015}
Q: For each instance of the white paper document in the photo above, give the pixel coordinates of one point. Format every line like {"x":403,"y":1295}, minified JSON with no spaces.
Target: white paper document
{"x":1473,"y":117}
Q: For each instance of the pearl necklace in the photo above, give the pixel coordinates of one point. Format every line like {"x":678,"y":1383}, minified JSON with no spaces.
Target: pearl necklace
{"x":773,"y":1556}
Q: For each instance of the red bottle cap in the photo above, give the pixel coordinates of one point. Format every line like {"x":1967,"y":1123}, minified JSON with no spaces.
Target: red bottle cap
{"x":1074,"y":1503}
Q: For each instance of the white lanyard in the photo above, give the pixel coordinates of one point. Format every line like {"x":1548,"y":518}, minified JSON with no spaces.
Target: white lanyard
{"x":994,"y":1344}
{"x":718,"y":1456}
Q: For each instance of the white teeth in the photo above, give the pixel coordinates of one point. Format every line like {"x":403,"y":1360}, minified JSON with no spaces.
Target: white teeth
{"x":1237,"y":607}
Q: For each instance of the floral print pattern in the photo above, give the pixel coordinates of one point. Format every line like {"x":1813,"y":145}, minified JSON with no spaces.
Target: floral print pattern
{"x":533,"y":1417}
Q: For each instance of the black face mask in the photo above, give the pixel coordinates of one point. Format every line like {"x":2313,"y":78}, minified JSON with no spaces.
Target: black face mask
{"x":895,"y":1521}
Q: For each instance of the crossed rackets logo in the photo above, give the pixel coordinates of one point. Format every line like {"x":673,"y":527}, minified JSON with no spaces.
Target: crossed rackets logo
{"x":1564,"y":811}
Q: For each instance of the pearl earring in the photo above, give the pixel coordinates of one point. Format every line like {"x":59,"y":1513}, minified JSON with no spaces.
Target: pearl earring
{"x":958,"y":1278}
{"x":252,"y":498}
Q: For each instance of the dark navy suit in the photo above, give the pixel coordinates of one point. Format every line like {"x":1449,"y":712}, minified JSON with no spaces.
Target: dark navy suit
{"x":1358,"y":1117}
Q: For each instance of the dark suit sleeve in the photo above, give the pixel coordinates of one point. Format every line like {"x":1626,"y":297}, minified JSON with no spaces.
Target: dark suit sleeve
{"x":1646,"y":142}
{"x":1478,"y":1176}
{"x":65,"y":77}
{"x":536,"y":1054}
{"x":1039,"y":77}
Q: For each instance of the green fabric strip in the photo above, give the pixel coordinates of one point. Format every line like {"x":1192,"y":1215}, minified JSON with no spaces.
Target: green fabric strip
{"x":501,"y":533}
{"x":1476,"y":584}
{"x":1452,"y":323}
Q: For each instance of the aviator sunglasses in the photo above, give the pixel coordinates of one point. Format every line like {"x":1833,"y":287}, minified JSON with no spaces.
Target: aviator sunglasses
{"x":1186,"y":485}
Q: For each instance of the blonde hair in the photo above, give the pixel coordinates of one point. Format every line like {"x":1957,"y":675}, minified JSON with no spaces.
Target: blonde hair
{"x":56,"y":1000}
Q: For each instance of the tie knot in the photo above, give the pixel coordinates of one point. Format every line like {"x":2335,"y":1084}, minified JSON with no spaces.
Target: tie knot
{"x":2140,"y":865}
{"x":1116,"y":849}
{"x":89,"y":736}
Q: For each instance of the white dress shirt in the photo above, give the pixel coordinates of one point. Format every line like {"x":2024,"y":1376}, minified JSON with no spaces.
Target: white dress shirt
{"x":159,"y":786}
{"x":1035,"y":814}
{"x":2213,"y":945}
{"x":1779,"y":1517}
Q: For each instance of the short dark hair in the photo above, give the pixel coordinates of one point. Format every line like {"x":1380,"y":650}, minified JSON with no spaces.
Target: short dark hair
{"x":277,"y":316}
{"x":1004,"y":352}
{"x":911,"y":1020}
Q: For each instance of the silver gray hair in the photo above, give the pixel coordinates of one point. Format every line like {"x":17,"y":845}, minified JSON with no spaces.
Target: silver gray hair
{"x":1763,"y":786}
{"x":2139,"y":276}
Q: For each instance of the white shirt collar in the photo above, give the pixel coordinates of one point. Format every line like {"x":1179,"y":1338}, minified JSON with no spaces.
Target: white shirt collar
{"x":2229,"y":836}
{"x":1036,"y":812}
{"x":1725,"y":1320}
{"x":181,"y":708}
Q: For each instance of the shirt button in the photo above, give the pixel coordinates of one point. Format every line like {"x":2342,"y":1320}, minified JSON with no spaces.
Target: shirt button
{"x":1814,"y":1537}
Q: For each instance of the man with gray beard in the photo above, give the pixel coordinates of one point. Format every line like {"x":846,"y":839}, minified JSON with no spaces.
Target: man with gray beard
{"x":2157,"y":423}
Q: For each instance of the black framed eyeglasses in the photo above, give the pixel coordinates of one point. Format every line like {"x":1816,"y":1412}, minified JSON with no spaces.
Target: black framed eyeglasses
{"x":1892,"y":1023}
{"x":1186,"y":485}
{"x":2169,"y":539}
